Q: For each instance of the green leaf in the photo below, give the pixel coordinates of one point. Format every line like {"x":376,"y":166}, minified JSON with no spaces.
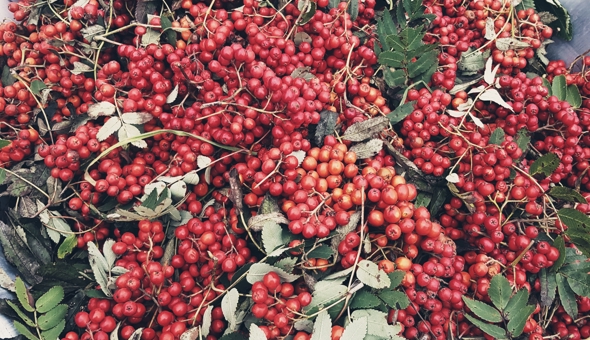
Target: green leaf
{"x":396,"y":278}
{"x":67,"y":246}
{"x":4,"y":143}
{"x":499,"y":291}
{"x":491,"y":330}
{"x":394,"y":78}
{"x":563,"y":25}
{"x":548,"y":287}
{"x":392,"y":59}
{"x":395,"y":43}
{"x":333,"y":3}
{"x":322,"y":328}
{"x":369,"y":273}
{"x":22,"y":295}
{"x":353,"y":9}
{"x":395,"y":299}
{"x":516,"y":324}
{"x":483,"y":310}
{"x":401,"y":112}
{"x":169,"y":33}
{"x":471,"y":61}
{"x":310,"y":12}
{"x":547,"y":84}
{"x":573,"y":96}
{"x":321,"y":252}
{"x":423,"y":199}
{"x":545,"y":164}
{"x":578,"y":228}
{"x":37,"y":86}
{"x":567,"y":297}
{"x":151,"y":202}
{"x":400,"y":15}
{"x":497,"y":137}
{"x":325,"y":126}
{"x":324,"y":295}
{"x":523,"y":139}
{"x":423,"y":63}
{"x":385,"y":28}
{"x":559,"y":243}
{"x":7,"y":77}
{"x":559,"y":87}
{"x":364,"y":300}
{"x":526,"y":4}
{"x":22,"y":329}
{"x":579,"y":282}
{"x":50,"y":299}
{"x":54,"y":332}
{"x":516,"y":303}
{"x":412,"y":38}
{"x":567,"y":194}
{"x":53,"y":317}
{"x":439,"y":198}
{"x":20,"y":313}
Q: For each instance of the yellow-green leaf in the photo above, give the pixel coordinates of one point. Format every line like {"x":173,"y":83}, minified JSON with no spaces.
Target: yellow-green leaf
{"x":22,"y":329}
{"x":483,"y":310}
{"x":50,"y":299}
{"x":23,"y":295}
{"x":53,"y":317}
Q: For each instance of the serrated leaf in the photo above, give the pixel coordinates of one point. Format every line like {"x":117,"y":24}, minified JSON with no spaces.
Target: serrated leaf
{"x":229,"y":306}
{"x":325,"y":126}
{"x":578,"y":228}
{"x":396,"y":277}
{"x":99,"y":267}
{"x":365,"y":129}
{"x":573,"y":96}
{"x":67,"y":246}
{"x":364,"y":300}
{"x":259,"y":222}
{"x":109,"y":254}
{"x":303,"y":73}
{"x":37,"y":86}
{"x":321,"y":252}
{"x":395,"y":299}
{"x":516,"y":303}
{"x":325,"y":295}
{"x":322,"y":328}
{"x":7,"y":77}
{"x":355,"y":330}
{"x":273,"y":237}
{"x":489,"y":73}
{"x":494,"y":96}
{"x":393,"y":59}
{"x":563,"y":25}
{"x":499,"y":291}
{"x":369,"y":273}
{"x":301,"y":37}
{"x":50,"y":299}
{"x":516,"y":324}
{"x":304,"y":325}
{"x":22,"y":295}
{"x":191,"y":177}
{"x":452,"y":178}
{"x":25,"y":318}
{"x":559,"y":87}
{"x":487,"y":328}
{"x":256,"y":333}
{"x":505,"y":44}
{"x":287,"y":264}
{"x":22,"y":329}
{"x":111,"y":126}
{"x":401,"y":112}
{"x":150,"y":37}
{"x":309,"y":12}
{"x":80,"y":68}
{"x":547,"y":17}
{"x":353,"y":9}
{"x":258,"y":270}
{"x":51,"y":319}
{"x":394,"y":78}
{"x":207,"y":319}
{"x":151,"y":201}
{"x":471,"y":61}
{"x":178,"y":190}
{"x":173,"y":95}
{"x":567,"y":296}
{"x":423,"y":63}
{"x":579,"y":282}
{"x":545,"y":164}
{"x":136,"y":117}
{"x":102,"y":109}
{"x":567,"y":194}
{"x":548,"y":284}
{"x":483,"y":310}
{"x":423,"y":199}
{"x":523,"y":139}
{"x":367,"y":149}
{"x":377,"y":324}
{"x":497,"y":137}
{"x":191,"y":333}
